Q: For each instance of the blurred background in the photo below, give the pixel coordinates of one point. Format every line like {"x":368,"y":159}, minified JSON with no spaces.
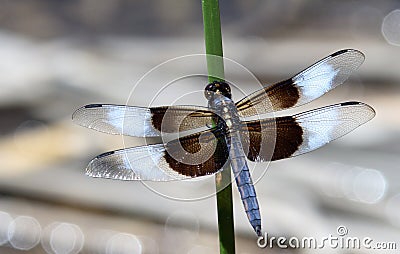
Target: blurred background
{"x":56,"y":56}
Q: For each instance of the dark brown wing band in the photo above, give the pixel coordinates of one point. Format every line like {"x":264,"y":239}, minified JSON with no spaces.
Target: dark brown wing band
{"x":198,"y":154}
{"x":180,"y":118}
{"x":272,"y":139}
{"x":281,"y":95}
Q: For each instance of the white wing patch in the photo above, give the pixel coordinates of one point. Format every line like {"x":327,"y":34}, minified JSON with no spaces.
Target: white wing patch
{"x":315,"y":82}
{"x":116,"y":119}
{"x":136,"y":163}
{"x":327,"y":74}
{"x":325,"y":124}
{"x":133,"y":121}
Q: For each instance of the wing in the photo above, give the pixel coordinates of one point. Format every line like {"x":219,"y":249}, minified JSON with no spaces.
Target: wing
{"x":304,"y":87}
{"x":303,"y":132}
{"x":140,"y":121}
{"x":191,"y":156}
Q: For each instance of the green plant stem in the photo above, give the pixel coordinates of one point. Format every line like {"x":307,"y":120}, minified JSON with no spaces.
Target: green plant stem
{"x":215,"y":67}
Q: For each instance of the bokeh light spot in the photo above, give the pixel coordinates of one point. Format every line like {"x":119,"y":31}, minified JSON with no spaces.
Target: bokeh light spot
{"x":122,"y":243}
{"x":369,"y":186}
{"x":62,"y":238}
{"x":24,"y":233}
{"x":391,"y":28}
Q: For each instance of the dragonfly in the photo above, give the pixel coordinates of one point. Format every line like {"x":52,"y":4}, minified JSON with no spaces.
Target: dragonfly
{"x":222,"y":133}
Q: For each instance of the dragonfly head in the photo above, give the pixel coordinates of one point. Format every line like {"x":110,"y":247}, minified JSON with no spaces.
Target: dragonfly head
{"x":217,"y":87}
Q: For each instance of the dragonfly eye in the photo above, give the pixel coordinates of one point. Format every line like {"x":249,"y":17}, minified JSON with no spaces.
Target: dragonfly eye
{"x":208,"y":94}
